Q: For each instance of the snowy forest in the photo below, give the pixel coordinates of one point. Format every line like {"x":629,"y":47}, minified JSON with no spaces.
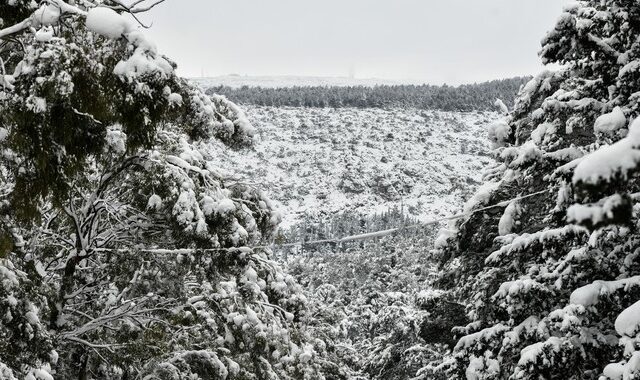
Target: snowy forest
{"x":446,"y":98}
{"x":153,"y":229}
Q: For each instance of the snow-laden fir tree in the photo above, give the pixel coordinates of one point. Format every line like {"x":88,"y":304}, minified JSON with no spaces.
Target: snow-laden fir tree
{"x":119,"y":234}
{"x":551,"y":283}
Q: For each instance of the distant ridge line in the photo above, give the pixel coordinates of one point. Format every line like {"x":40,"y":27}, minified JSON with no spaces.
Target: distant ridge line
{"x":462,"y":98}
{"x":288,"y":81}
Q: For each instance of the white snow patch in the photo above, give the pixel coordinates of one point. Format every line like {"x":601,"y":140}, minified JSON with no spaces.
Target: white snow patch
{"x":429,"y":294}
{"x":610,"y":122}
{"x":523,"y":241}
{"x":141,"y":63}
{"x":501,"y":106}
{"x":628,"y":322}
{"x":614,"y":371}
{"x":46,"y":15}
{"x":444,"y":236}
{"x":488,"y":334}
{"x":32,"y":318}
{"x":225,"y":206}
{"x":508,"y":219}
{"x":6,"y":373}
{"x":499,"y":133}
{"x":530,"y":353}
{"x":566,"y":154}
{"x":174,"y":98}
{"x":154,"y":203}
{"x":543,"y":132}
{"x":513,"y":288}
{"x":44,"y":34}
{"x":8,"y":277}
{"x":589,"y":295}
{"x":108,"y":23}
{"x":116,"y":139}
{"x":482,"y":368}
{"x":611,"y":160}
{"x":622,"y":371}
{"x":36,"y":104}
{"x":43,"y":373}
{"x":482,"y":196}
{"x":595,"y":213}
{"x":519,"y":156}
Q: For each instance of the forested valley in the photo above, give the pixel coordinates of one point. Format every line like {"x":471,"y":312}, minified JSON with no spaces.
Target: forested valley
{"x":151,"y":228}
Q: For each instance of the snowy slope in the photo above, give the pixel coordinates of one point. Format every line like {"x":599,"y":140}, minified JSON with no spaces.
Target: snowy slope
{"x":326,"y":161}
{"x":236,"y":81}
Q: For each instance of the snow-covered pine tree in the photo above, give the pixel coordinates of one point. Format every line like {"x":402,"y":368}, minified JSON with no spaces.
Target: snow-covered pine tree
{"x":552,"y":282}
{"x":118,"y":258}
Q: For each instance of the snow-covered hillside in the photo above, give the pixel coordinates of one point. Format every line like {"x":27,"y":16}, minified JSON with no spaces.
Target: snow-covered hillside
{"x":321,"y":162}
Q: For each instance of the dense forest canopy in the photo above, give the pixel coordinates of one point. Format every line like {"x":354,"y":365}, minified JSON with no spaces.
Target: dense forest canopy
{"x":470,"y":97}
{"x":120,"y":252}
{"x":551,"y":284}
{"x":126,"y":252}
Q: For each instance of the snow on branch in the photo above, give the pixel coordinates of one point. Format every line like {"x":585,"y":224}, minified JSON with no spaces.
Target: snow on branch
{"x":610,"y":161}
{"x":50,"y":12}
{"x":605,"y":47}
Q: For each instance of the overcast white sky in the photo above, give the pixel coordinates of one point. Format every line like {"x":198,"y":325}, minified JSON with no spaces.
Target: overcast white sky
{"x":435,"y":41}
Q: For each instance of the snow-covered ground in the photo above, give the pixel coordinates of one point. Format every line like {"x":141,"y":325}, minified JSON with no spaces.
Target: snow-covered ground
{"x":327,"y":161}
{"x":236,"y":81}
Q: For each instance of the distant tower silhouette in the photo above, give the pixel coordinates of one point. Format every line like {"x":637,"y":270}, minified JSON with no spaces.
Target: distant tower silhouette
{"x":352,"y":71}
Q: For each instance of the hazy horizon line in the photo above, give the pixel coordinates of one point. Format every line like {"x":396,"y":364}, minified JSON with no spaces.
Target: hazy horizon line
{"x":405,"y":81}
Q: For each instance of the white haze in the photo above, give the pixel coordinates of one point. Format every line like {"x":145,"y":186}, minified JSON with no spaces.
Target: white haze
{"x":453,"y":41}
